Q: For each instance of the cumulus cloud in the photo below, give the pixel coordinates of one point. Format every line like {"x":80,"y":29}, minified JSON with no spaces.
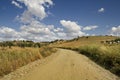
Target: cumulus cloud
{"x":37,"y":31}
{"x":37,"y":28}
{"x":71,"y":28}
{"x":88,"y":28}
{"x":32,"y":28}
{"x":26,"y":17}
{"x":7,"y":33}
{"x":58,"y":30}
{"x":115,"y":31}
{"x":101,"y":10}
{"x":16,"y":4}
{"x":35,"y":8}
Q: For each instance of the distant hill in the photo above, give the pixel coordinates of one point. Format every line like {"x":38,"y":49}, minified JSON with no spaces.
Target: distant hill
{"x":82,"y":41}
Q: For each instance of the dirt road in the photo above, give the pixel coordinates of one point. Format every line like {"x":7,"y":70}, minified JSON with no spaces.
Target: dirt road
{"x":68,"y":65}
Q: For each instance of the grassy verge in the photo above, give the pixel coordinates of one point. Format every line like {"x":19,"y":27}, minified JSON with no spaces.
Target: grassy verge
{"x":46,"y":51}
{"x":11,"y":59}
{"x":106,"y":56}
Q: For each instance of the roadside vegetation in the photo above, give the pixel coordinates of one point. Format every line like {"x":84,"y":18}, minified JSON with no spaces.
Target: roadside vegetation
{"x":13,"y":56}
{"x":106,"y":56}
{"x":105,"y":52}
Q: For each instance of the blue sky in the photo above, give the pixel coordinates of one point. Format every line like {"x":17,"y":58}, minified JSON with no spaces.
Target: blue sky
{"x":46,"y":20}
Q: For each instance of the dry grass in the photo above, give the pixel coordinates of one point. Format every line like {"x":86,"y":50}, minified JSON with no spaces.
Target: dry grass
{"x":11,"y":59}
{"x":46,"y":51}
{"x":107,"y":56}
{"x":83,"y":41}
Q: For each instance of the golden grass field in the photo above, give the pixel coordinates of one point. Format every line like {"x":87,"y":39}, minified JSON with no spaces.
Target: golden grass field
{"x":82,"y":41}
{"x":15,"y":57}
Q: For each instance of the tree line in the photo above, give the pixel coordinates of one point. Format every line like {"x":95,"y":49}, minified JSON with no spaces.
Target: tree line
{"x":21,"y":44}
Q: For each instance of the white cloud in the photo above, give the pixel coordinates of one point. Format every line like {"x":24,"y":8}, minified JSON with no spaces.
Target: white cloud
{"x":7,"y":33}
{"x":26,"y":17}
{"x":35,"y":9}
{"x":37,"y":31}
{"x":58,"y":30}
{"x":101,"y":10}
{"x":115,"y":31}
{"x":62,"y":35}
{"x":87,"y":28}
{"x":72,"y":29}
{"x":16,"y":4}
{"x":32,"y":28}
{"x":70,"y":26}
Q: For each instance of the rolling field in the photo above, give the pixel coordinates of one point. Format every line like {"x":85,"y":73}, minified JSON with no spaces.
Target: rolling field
{"x":83,"y":41}
{"x":104,"y":54}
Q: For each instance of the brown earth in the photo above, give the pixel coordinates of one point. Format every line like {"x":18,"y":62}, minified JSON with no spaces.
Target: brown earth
{"x":67,"y":65}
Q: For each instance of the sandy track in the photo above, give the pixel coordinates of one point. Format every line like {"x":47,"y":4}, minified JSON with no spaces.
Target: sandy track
{"x":68,"y":65}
